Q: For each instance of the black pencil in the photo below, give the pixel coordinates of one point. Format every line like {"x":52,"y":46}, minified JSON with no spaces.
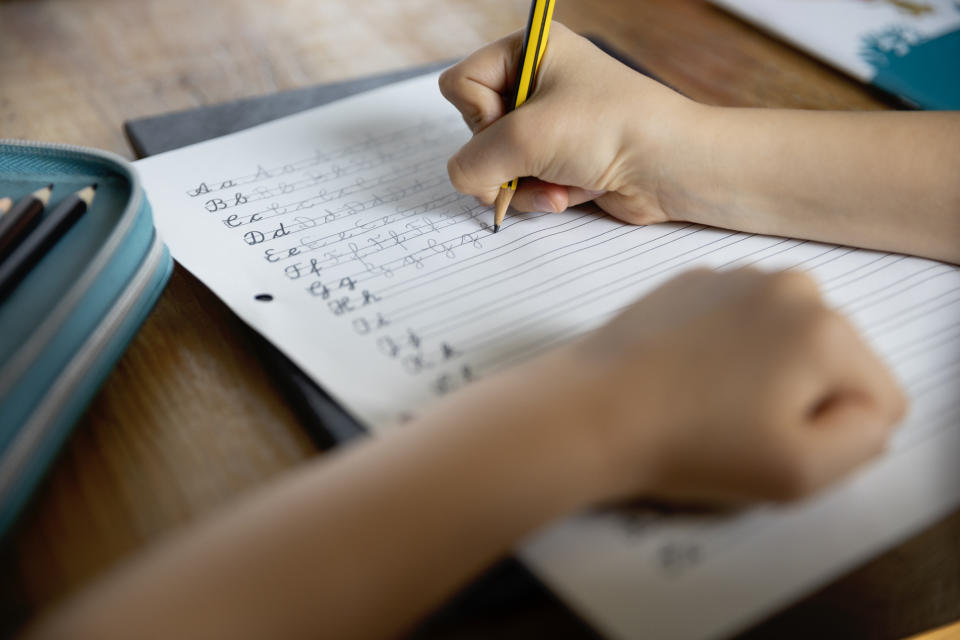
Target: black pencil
{"x":53,"y":226}
{"x":5,"y":204}
{"x":20,"y":219}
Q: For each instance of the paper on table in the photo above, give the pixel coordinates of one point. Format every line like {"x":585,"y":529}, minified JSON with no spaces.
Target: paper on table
{"x":337,"y":235}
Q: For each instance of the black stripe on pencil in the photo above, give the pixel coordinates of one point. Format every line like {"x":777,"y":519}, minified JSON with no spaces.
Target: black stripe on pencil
{"x":21,"y":218}
{"x":53,"y":226}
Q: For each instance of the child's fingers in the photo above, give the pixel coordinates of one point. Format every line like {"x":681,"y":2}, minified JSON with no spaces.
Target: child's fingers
{"x":846,"y":434}
{"x":476,"y":84}
{"x":506,"y":149}
{"x":863,"y":404}
{"x":855,"y":369}
{"x":537,"y":195}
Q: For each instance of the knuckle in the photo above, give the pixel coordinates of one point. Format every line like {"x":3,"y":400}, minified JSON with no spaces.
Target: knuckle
{"x":448,"y":81}
{"x":452,"y":88}
{"x":474,"y":117}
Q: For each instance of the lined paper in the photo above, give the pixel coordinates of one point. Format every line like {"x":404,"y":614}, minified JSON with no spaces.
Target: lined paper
{"x":337,"y":235}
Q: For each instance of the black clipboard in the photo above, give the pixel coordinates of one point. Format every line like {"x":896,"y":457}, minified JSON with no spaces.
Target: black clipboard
{"x":507,"y":601}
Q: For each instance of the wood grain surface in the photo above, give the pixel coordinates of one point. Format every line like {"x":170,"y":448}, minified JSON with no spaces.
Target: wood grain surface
{"x":187,"y":420}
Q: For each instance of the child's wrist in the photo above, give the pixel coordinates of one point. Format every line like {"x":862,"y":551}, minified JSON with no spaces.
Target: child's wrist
{"x":708,"y":167}
{"x":676,"y":147}
{"x":544,"y":419}
{"x":577,"y":407}
{"x":554,"y":406}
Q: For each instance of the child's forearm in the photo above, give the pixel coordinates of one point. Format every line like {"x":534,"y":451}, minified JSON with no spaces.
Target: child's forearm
{"x":885,"y":180}
{"x":362,"y":545}
{"x":365,"y":543}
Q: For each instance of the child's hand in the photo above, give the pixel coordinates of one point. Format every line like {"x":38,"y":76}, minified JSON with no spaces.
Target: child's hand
{"x":593,"y":129}
{"x":725,"y":386}
{"x":596,"y":130}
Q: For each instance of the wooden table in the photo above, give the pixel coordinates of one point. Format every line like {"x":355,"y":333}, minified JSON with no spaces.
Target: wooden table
{"x":187,"y":420}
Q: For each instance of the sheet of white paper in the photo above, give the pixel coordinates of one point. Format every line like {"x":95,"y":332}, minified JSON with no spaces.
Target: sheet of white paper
{"x":388,"y":288}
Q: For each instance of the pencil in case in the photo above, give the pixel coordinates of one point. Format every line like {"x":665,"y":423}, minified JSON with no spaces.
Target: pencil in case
{"x":69,"y":320}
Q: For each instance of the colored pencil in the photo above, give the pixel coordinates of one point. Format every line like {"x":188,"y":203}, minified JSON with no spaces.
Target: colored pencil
{"x":46,"y":234}
{"x":534,"y":44}
{"x":21,"y":218}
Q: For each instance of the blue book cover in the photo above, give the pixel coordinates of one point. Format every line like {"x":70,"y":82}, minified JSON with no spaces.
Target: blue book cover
{"x":910,"y":48}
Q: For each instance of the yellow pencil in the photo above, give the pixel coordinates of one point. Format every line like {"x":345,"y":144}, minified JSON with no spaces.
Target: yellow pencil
{"x":534,"y":44}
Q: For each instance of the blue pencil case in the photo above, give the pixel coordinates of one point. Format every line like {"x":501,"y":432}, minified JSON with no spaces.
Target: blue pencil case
{"x":69,"y":320}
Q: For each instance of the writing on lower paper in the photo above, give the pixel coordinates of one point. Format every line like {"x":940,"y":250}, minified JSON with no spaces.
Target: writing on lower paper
{"x":359,"y":225}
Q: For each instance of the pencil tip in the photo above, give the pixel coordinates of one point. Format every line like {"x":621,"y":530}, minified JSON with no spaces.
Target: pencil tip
{"x":43,"y":194}
{"x":496,"y":228}
{"x":88,"y":193}
{"x":50,"y":186}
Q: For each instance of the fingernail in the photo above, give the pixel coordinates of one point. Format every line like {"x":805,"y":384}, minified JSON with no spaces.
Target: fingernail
{"x":594,"y":194}
{"x":541,"y":202}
